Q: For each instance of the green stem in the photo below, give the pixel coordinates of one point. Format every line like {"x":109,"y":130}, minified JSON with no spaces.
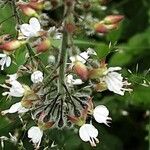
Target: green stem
{"x":62,"y":61}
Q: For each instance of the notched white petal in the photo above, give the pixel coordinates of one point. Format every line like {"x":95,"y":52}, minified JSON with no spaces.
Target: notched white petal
{"x":101,"y":113}
{"x":88,"y":132}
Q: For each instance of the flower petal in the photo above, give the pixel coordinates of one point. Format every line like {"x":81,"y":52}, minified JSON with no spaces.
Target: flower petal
{"x":37,"y":76}
{"x":16,"y":90}
{"x":88,"y":131}
{"x":111,"y":69}
{"x":26,"y":30}
{"x":8,"y":61}
{"x":35,"y":134}
{"x":101,"y":110}
{"x":2,"y":55}
{"x":101,"y":113}
{"x":15,"y":107}
{"x":34,"y":24}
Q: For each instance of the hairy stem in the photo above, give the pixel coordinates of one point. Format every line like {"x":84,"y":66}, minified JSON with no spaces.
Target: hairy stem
{"x":62,"y":61}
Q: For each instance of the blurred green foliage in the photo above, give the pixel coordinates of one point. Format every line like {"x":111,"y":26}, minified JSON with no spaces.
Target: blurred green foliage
{"x":130,"y":129}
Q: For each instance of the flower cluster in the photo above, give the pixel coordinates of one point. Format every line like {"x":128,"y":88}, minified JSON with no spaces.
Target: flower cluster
{"x":62,"y":75}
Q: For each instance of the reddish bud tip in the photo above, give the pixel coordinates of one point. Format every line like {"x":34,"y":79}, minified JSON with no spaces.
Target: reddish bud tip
{"x":100,"y":28}
{"x":81,"y":70}
{"x":37,"y":5}
{"x":70,"y":27}
{"x":113,"y":19}
{"x":27,"y":10}
{"x":43,"y":46}
{"x":11,"y":45}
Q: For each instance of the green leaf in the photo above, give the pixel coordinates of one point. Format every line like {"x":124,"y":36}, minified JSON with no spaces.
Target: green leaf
{"x":102,"y":50}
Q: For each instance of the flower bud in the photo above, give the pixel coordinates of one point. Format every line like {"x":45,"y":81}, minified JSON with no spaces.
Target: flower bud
{"x":102,"y":28}
{"x":27,"y":10}
{"x":112,"y":26}
{"x":113,"y":19}
{"x":11,"y":45}
{"x":70,"y":27}
{"x":81,"y":70}
{"x":36,"y":5}
{"x":43,"y":46}
{"x":97,"y":73}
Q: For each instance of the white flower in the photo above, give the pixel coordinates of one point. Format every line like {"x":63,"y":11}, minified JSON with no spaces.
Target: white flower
{"x":31,"y":29}
{"x":88,"y":132}
{"x":82,"y":57}
{"x":71,"y":81}
{"x":35,"y":134}
{"x":114,"y":81}
{"x":37,"y":76}
{"x":4,"y":61}
{"x":100,"y":114}
{"x":17,"y":107}
{"x":15,"y":90}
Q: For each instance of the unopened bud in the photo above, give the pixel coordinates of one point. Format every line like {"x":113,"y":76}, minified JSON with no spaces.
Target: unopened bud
{"x":112,"y":26}
{"x":81,"y":70}
{"x":102,"y":28}
{"x":113,"y":19}
{"x":70,"y":27}
{"x":37,"y":5}
{"x":27,"y":10}
{"x":11,"y":45}
{"x":43,"y":46}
